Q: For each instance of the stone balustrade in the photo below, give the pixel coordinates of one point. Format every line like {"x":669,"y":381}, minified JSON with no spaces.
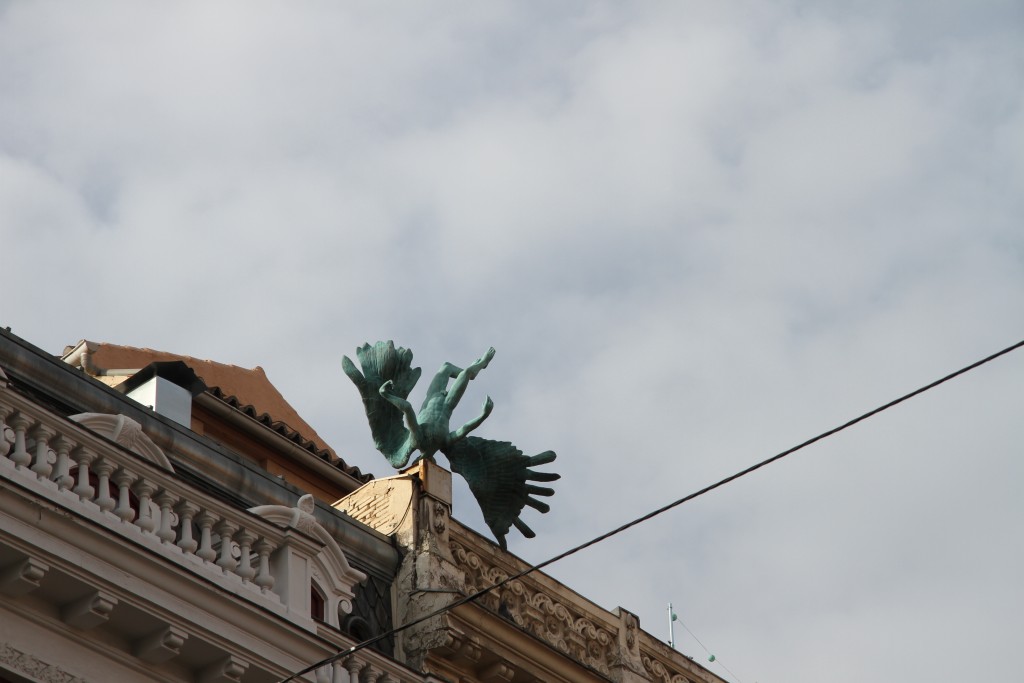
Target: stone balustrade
{"x":139,"y":499}
{"x":129,"y":545}
{"x":361,"y":668}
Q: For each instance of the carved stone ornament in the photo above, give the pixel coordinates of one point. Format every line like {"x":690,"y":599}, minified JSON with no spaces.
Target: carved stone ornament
{"x":565,"y":628}
{"x":336,"y":575}
{"x":28,"y":665}
{"x":126,"y":432}
{"x":440,"y":515}
{"x":631,"y":629}
{"x":661,"y":674}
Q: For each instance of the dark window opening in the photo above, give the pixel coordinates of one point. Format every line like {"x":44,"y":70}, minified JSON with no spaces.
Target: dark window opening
{"x":317,"y":603}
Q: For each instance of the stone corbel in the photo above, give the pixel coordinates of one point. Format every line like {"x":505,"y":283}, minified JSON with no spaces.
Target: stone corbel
{"x":89,"y":611}
{"x":161,"y":646}
{"x":498,"y":672}
{"x":470,"y":652}
{"x":228,"y":670}
{"x":451,"y":642}
{"x":22,"y":577}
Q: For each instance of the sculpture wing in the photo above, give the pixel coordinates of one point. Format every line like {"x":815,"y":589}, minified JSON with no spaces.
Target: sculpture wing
{"x":498,"y":475}
{"x":380,"y":363}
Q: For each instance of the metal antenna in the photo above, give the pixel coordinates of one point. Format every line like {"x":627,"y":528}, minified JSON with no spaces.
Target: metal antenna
{"x":671,"y":628}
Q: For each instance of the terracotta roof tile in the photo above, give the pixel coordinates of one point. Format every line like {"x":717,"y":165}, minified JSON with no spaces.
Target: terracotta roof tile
{"x":248,"y":390}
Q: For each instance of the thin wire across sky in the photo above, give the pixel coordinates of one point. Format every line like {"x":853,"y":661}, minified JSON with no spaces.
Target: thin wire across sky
{"x":654,"y":513}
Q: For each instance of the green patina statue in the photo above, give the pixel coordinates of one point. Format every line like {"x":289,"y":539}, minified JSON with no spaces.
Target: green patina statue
{"x":497,"y":472}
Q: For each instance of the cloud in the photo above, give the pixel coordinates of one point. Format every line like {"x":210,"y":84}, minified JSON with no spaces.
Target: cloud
{"x":697,"y":234}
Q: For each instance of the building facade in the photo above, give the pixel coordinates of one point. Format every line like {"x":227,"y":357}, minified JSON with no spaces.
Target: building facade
{"x":164,"y":518}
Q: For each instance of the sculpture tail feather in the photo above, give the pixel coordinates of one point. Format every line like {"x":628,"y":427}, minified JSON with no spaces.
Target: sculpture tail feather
{"x":498,"y":474}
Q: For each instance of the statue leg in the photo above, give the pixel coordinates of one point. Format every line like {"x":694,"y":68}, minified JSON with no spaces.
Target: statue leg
{"x":465,"y":429}
{"x":440,"y":381}
{"x":462,"y":380}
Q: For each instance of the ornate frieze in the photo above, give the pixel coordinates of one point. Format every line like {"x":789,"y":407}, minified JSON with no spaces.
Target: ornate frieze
{"x":559,"y":623}
{"x":33,"y":667}
{"x":663,"y":671}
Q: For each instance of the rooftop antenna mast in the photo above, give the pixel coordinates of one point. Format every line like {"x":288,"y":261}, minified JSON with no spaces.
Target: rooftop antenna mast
{"x":671,"y":626}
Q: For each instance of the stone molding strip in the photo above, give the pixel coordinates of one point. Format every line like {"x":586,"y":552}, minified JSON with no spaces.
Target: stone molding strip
{"x":33,"y":667}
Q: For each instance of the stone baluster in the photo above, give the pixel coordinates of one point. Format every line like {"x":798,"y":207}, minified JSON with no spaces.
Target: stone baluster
{"x":103,"y":469}
{"x":226,"y":528}
{"x":123,"y":479}
{"x":144,"y":490}
{"x":371,"y":674}
{"x":186,"y":513}
{"x":165,"y":499}
{"x":205,"y":521}
{"x":83,"y":458}
{"x":354,"y":666}
{"x":264,"y":579}
{"x":20,"y":423}
{"x":41,"y":462}
{"x":245,"y":540}
{"x":5,"y":445}
{"x":323,"y":674}
{"x":62,"y":470}
{"x":340,"y":674}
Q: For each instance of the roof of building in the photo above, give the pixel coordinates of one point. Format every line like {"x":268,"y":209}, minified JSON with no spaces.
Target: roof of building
{"x":248,"y":390}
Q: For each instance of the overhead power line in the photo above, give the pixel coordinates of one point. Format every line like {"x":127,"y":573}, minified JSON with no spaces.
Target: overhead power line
{"x":711,"y":657}
{"x":654,"y":513}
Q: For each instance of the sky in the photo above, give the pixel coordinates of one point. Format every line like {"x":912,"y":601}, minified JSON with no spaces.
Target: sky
{"x":697,"y":234}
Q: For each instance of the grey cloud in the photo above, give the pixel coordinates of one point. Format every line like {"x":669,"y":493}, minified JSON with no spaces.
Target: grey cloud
{"x":697,"y":233}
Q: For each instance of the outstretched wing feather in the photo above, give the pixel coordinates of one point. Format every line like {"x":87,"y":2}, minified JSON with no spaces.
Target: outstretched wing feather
{"x":497,"y":473}
{"x":380,"y":363}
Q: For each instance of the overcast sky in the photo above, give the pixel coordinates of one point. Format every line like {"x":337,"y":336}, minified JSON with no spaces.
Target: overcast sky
{"x":697,"y":233}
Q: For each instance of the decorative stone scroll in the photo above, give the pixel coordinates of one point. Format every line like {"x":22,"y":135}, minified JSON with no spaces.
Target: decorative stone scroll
{"x":565,"y":628}
{"x":330,"y":566}
{"x":125,"y":431}
{"x":660,"y":673}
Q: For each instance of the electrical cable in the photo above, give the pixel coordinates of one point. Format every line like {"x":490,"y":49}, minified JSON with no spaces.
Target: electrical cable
{"x":654,"y":513}
{"x":714,"y":659}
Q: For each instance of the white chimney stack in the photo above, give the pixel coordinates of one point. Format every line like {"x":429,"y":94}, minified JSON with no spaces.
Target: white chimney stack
{"x":167,"y":388}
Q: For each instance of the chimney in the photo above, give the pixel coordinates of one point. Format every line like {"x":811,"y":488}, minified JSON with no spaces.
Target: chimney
{"x":167,"y":387}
